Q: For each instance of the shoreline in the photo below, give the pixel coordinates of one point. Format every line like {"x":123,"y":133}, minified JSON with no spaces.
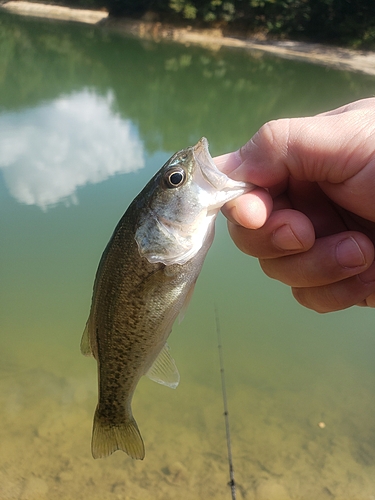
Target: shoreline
{"x":334,"y":57}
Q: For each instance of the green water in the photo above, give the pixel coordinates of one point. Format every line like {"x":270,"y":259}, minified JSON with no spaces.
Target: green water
{"x":86,"y":118}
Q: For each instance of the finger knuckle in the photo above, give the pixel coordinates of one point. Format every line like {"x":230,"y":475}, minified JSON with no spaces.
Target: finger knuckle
{"x":273,"y":135}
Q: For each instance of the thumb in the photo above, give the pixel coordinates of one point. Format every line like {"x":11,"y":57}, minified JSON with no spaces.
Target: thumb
{"x":336,"y":151}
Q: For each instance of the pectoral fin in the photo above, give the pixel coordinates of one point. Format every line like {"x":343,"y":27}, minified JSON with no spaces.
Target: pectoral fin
{"x":164,"y":370}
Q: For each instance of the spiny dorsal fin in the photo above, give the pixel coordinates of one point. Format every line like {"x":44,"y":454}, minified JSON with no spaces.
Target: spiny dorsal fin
{"x":164,"y":370}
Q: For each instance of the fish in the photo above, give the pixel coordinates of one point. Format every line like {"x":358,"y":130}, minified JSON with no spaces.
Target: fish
{"x":144,"y":280}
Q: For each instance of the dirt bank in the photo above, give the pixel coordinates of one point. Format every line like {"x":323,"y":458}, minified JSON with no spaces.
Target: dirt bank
{"x":340,"y":58}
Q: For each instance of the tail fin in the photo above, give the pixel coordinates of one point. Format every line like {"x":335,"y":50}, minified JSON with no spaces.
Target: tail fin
{"x":125,"y":436}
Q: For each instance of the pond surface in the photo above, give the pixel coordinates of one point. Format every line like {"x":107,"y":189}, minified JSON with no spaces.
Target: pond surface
{"x":86,"y":118}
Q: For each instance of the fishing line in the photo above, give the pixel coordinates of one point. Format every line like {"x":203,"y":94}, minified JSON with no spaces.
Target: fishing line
{"x":232,"y":482}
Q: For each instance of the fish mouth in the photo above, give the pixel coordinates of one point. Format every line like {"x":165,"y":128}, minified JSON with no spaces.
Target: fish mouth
{"x":229,"y":188}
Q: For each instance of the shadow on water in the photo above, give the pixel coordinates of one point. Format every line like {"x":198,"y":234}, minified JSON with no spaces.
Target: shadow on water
{"x":79,"y":107}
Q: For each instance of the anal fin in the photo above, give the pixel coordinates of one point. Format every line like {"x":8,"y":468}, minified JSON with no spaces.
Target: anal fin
{"x":164,"y":370}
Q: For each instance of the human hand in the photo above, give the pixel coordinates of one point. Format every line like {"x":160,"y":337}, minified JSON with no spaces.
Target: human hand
{"x":311,"y":222}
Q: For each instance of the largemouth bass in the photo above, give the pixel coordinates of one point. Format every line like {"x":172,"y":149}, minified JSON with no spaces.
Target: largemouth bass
{"x":144,"y":280}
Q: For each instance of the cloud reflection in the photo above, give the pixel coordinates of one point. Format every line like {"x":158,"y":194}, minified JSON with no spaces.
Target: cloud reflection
{"x":47,"y":152}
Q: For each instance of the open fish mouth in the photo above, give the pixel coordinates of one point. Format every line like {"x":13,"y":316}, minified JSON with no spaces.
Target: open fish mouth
{"x":228,"y":188}
{"x":210,"y":172}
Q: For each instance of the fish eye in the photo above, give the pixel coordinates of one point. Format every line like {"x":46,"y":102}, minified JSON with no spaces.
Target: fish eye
{"x":175,"y":177}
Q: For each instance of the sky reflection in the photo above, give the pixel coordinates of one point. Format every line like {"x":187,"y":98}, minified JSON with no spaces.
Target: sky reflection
{"x":47,"y":152}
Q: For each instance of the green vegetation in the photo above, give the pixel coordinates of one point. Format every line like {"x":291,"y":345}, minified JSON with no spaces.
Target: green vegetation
{"x":343,"y":22}
{"x":349,"y":22}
